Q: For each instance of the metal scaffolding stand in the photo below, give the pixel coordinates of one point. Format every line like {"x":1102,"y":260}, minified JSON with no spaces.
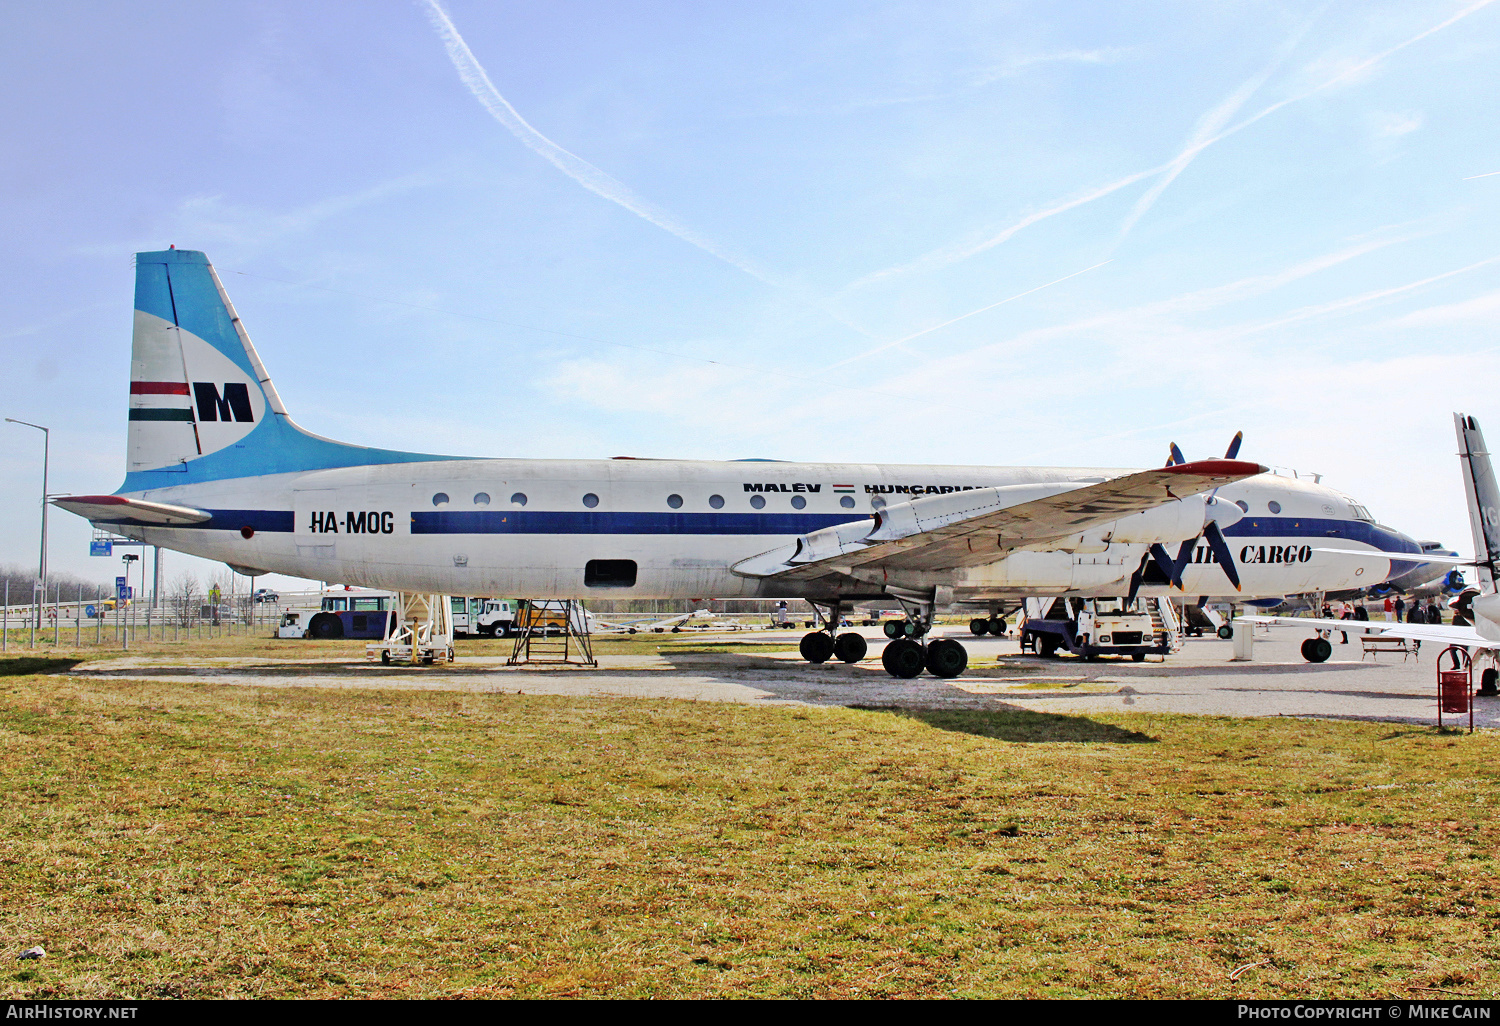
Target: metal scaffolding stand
{"x":554,"y":631}
{"x":418,"y":629}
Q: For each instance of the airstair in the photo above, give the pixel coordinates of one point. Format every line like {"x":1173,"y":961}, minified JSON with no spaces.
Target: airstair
{"x":552,"y":632}
{"x":1164,"y":622}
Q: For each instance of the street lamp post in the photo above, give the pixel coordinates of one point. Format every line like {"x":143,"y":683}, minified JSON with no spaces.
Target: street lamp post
{"x":42,"y":562}
{"x":126,"y":598}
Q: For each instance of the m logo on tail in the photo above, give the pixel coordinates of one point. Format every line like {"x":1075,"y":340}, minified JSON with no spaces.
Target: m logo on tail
{"x":212,"y":406}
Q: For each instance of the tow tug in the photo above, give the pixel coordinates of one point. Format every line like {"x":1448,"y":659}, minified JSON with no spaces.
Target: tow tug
{"x":1103,"y":626}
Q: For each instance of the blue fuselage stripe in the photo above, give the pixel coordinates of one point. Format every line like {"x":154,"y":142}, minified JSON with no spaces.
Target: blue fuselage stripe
{"x":593,"y":522}
{"x":1312,"y":530}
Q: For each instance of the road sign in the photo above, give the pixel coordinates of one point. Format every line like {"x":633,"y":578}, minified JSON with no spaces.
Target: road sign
{"x":89,"y":612}
{"x":101,"y":548}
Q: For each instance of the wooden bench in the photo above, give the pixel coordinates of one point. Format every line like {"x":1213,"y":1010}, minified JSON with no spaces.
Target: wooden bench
{"x":1376,"y":643}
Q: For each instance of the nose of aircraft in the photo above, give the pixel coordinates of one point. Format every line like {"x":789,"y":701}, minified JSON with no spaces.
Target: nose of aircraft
{"x":1404,"y":572}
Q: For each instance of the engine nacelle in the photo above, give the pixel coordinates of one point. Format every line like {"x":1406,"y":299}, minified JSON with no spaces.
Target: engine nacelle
{"x":1174,"y":521}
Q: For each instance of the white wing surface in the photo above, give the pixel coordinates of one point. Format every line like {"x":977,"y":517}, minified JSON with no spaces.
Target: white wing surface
{"x":977,"y":527}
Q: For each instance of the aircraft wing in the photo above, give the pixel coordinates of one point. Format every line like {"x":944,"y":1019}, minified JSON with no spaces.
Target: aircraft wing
{"x":975,"y":527}
{"x":1435,"y":632}
{"x":114,"y":509}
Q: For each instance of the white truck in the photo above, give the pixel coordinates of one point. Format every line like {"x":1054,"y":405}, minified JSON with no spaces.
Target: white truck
{"x":486,"y":616}
{"x":1101,"y":626}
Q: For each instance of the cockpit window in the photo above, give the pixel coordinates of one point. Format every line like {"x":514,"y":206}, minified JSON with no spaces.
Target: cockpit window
{"x":1360,"y":513}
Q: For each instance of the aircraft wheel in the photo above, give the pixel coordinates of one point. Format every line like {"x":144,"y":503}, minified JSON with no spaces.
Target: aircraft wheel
{"x":902,"y":658}
{"x":1487,"y":681}
{"x":946,"y":658}
{"x":894,"y":628}
{"x":979,"y":627}
{"x":632,"y":630}
{"x":326,"y":626}
{"x":851,"y":648}
{"x":1226,"y":632}
{"x":816,"y":647}
{"x":998,"y":626}
{"x":1046,"y":646}
{"x":1137,"y":657}
{"x":1317,"y":650}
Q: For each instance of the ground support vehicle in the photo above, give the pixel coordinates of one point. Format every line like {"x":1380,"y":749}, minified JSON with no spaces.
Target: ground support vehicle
{"x":350,"y":613}
{"x":496,"y":619}
{"x":291,"y":626}
{"x":538,"y":618}
{"x":1094,"y":627}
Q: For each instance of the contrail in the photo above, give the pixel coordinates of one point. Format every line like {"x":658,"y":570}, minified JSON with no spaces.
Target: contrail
{"x":952,"y":254}
{"x":473,"y":75}
{"x":1210,"y":124}
{"x":1489,"y":174}
{"x":961,"y":317}
{"x":940,"y":258}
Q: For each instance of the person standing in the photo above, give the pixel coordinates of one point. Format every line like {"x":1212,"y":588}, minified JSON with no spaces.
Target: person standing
{"x":1390,"y":608}
{"x":1434,"y":612}
{"x":1360,"y":612}
{"x":1400,"y":609}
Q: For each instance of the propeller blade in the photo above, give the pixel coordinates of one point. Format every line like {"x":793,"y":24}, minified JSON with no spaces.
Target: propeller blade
{"x":1175,"y":456}
{"x":1135,"y":578}
{"x":1184,"y":554}
{"x":1164,"y":561}
{"x":1215,"y":539}
{"x":1234,"y":445}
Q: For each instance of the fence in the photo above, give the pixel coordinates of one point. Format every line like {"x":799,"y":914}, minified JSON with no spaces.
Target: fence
{"x":100,"y":620}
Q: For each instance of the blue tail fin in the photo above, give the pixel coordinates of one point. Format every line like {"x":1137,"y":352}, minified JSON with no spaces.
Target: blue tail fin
{"x":202,"y":407}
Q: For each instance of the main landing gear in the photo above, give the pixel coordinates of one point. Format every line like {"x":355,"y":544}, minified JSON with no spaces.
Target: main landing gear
{"x":906,"y":655}
{"x":825,"y":642}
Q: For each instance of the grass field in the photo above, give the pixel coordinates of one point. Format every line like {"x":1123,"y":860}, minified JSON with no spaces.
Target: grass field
{"x":163,"y":840}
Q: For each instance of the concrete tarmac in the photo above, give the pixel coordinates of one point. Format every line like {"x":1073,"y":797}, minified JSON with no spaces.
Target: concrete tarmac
{"x":1201,"y":679}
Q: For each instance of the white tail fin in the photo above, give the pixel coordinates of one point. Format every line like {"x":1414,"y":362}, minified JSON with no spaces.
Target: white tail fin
{"x":202,"y":407}
{"x":1483,"y":495}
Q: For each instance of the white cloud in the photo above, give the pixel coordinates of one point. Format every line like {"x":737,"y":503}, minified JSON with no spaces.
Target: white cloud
{"x":1480,"y":309}
{"x":1389,"y":124}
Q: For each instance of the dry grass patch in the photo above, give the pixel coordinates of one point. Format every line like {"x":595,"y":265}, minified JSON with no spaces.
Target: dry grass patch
{"x":164,"y":840}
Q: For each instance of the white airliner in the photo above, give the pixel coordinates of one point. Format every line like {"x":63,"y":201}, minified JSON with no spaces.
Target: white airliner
{"x":217,"y":468}
{"x":1484,"y":520}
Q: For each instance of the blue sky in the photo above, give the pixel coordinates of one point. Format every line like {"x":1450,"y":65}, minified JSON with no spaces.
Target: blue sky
{"x":1003,"y":233}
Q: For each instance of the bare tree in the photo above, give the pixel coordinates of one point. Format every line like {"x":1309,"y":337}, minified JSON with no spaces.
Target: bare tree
{"x":183,"y":597}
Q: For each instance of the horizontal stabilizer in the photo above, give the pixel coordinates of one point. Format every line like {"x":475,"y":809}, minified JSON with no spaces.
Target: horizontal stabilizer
{"x":1402,"y":557}
{"x":113,"y":509}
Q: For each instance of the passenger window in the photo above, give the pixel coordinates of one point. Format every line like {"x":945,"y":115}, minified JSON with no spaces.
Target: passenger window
{"x":847,"y":502}
{"x":1243,"y":505}
{"x":877,"y":503}
{"x":1274,"y":506}
{"x":716,"y":501}
{"x":798,"y":502}
{"x":440,"y":499}
{"x":675,"y":501}
{"x":481,"y":498}
{"x":758,"y":502}
{"x":591,"y":500}
{"x":518,"y":499}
